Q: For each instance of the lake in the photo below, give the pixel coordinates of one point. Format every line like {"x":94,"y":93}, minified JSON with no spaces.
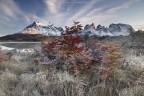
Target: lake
{"x":20,"y":45}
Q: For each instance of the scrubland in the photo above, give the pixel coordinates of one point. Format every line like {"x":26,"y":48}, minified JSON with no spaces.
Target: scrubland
{"x":103,"y":70}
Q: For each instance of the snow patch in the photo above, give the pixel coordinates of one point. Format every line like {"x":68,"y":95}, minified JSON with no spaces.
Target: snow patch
{"x":4,"y":48}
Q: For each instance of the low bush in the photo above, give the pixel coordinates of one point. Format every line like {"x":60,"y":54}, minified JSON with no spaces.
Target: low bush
{"x":71,"y":53}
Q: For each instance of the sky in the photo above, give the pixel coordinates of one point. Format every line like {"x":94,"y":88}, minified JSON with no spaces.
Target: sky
{"x":15,"y":15}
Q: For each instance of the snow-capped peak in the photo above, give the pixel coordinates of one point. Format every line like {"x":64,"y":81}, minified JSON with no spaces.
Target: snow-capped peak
{"x":39,"y":28}
{"x":35,"y":24}
{"x":89,"y":29}
{"x":92,"y":26}
{"x":39,"y":23}
{"x":112,"y":30}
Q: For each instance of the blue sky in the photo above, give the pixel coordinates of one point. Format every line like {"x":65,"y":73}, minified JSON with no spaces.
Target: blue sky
{"x":17,"y":14}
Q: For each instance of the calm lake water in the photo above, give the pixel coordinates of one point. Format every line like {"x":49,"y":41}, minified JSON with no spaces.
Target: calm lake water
{"x":20,"y":45}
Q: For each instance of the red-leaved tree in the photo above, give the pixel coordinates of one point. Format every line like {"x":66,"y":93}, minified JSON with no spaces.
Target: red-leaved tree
{"x":71,"y":38}
{"x":71,"y":52}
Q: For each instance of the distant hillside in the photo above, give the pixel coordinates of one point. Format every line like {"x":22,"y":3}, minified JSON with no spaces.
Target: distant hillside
{"x":39,"y":32}
{"x":24,"y":37}
{"x":134,"y":40}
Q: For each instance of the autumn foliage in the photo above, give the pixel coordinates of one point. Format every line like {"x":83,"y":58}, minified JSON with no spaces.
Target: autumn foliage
{"x":3,"y":57}
{"x":71,"y":52}
{"x":110,"y":57}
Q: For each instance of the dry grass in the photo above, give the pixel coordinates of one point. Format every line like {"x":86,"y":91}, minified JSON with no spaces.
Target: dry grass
{"x":21,"y":81}
{"x":24,"y":79}
{"x":134,"y":91}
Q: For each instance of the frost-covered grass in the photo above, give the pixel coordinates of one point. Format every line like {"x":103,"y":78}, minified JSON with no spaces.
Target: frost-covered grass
{"x":18,"y":78}
{"x":134,"y":58}
{"x":137,"y":90}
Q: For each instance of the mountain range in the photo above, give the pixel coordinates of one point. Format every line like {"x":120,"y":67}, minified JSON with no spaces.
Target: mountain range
{"x":38,"y":31}
{"x":39,"y":28}
{"x":112,"y":30}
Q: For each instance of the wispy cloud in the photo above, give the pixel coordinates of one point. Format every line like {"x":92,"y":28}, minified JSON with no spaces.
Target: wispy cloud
{"x":9,"y":8}
{"x":51,"y":5}
{"x":60,"y":12}
{"x":10,"y":14}
{"x":86,"y":13}
{"x":34,"y":17}
{"x":97,"y":15}
{"x":125,"y":5}
{"x":75,"y":2}
{"x":82,"y":11}
{"x":54,"y":5}
{"x":94,"y":12}
{"x":54,"y":13}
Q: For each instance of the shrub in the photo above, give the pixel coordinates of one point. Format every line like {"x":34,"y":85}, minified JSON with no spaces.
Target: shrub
{"x":71,"y":52}
{"x":68,"y":52}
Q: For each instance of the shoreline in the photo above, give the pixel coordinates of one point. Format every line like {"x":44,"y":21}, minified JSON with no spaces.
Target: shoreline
{"x":19,"y":42}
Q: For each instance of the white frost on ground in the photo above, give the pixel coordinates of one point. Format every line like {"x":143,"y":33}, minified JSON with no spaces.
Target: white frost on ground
{"x":134,"y":59}
{"x":4,"y":48}
{"x":25,"y":50}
